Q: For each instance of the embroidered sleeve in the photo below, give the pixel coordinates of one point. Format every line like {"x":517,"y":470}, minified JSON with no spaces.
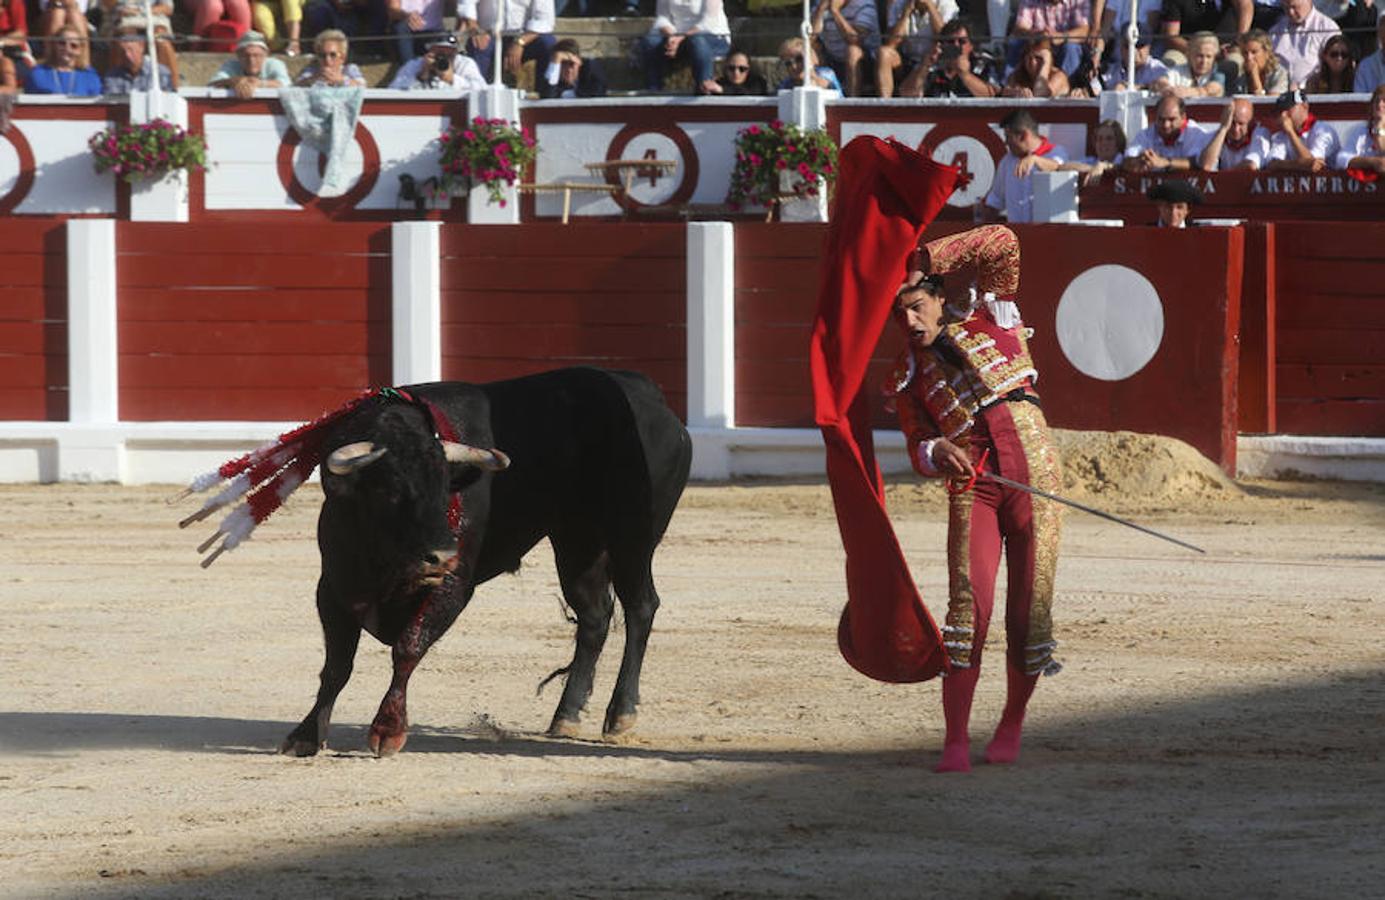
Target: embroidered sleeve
{"x":993,"y":249}
{"x":920,"y":433}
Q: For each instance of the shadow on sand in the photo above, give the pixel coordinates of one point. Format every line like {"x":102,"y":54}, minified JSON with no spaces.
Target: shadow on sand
{"x":1265,"y":793}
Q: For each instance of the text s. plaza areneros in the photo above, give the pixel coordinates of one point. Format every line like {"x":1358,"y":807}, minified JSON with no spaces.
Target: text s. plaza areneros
{"x":1261,"y":184}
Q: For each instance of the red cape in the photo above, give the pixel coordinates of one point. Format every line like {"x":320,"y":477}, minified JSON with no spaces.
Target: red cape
{"x":886,"y":195}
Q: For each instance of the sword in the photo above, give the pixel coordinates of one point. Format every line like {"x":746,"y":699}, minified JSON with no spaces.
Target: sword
{"x":1086,"y":509}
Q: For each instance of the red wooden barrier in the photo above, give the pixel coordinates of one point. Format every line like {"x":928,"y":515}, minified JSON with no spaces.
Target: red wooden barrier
{"x":1186,"y":389}
{"x":258,"y":322}
{"x":518,"y":300}
{"x":1255,"y":398}
{"x":33,"y":320}
{"x":1331,"y":330}
{"x":1257,"y":196}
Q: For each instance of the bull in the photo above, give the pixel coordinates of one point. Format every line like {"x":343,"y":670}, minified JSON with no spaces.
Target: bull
{"x":594,"y":460}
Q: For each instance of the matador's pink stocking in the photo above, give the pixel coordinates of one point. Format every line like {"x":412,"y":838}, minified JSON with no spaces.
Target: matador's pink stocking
{"x":1005,"y":746}
{"x":958,"y":689}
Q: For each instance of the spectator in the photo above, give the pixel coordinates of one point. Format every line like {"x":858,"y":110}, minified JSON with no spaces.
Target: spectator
{"x":251,"y":68}
{"x":350,"y":17}
{"x":1065,"y":24}
{"x":1239,"y":143}
{"x":1180,"y":18}
{"x":1302,"y":142}
{"x":1012,"y":192}
{"x":912,"y":25}
{"x":413,"y":22}
{"x":1371,"y":73}
{"x":1364,"y":148}
{"x":64,"y":14}
{"x":962,"y":70}
{"x":1200,"y":77}
{"x":329,"y":67}
{"x":1105,"y":149}
{"x":1175,"y":199}
{"x":14,"y":23}
{"x":1262,"y":14}
{"x":569,"y":75}
{"x":9,"y":76}
{"x":1148,"y":68}
{"x":738,"y":77}
{"x":1111,"y":25}
{"x":1357,"y":19}
{"x":695,"y":31}
{"x":1336,"y":71}
{"x":1261,"y":73}
{"x":63,"y":71}
{"x":527,"y":26}
{"x":442,"y":68}
{"x":206,"y":13}
{"x":267,"y":24}
{"x":132,"y":70}
{"x":1036,"y":75}
{"x":791,"y":61}
{"x":1171,"y":144}
{"x":129,"y":19}
{"x":1298,"y":38}
{"x":849,"y":34}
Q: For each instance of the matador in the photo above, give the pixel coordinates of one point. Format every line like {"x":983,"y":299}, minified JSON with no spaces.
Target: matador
{"x":964,"y":392}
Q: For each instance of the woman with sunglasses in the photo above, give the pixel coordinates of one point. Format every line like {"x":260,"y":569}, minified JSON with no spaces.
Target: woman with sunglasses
{"x":330,"y":68}
{"x":62,"y":71}
{"x":1336,"y":71}
{"x":737,"y":77}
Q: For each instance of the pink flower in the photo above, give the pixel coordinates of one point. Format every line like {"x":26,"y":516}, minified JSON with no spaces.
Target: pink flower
{"x":753,"y":129}
{"x":756,"y":159}
{"x":780,"y":164}
{"x":502,"y":203}
{"x":469,"y":135}
{"x":776,"y":124}
{"x":805,"y":170}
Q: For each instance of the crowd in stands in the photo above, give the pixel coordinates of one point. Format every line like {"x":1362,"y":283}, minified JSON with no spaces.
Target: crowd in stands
{"x":884,"y":48}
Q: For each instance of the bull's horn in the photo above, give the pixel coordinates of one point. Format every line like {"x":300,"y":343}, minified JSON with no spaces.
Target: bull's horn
{"x":489,"y":460}
{"x":352,"y":457}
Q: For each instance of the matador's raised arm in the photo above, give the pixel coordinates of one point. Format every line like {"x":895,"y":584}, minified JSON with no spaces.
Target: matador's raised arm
{"x":993,"y":249}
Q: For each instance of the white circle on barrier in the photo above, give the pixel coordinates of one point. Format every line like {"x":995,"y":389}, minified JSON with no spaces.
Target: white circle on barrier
{"x":652,"y":187}
{"x":1110,"y":322}
{"x":974,"y":159}
{"x":9,"y":167}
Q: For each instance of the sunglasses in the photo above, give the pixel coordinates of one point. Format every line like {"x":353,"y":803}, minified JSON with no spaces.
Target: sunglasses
{"x":738,"y":68}
{"x":1339,"y":55}
{"x":333,"y":54}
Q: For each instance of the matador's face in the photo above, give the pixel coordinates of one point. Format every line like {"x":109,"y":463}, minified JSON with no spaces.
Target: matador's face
{"x":919,"y":314}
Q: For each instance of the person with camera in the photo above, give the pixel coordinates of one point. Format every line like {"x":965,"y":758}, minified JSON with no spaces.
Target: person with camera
{"x":961,"y":70}
{"x":441,"y":68}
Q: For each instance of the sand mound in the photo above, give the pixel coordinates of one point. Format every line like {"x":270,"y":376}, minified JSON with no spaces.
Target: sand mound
{"x":1140,"y":467}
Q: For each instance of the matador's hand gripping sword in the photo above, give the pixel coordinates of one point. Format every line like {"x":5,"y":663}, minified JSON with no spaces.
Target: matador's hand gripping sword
{"x":998,"y":479}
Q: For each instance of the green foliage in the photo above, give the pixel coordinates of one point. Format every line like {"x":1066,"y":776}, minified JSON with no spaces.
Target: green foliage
{"x":491,"y":151}
{"x":149,"y":150}
{"x":762,"y":153}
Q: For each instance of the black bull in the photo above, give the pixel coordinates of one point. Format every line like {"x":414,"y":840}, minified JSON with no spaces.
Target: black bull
{"x":597,"y":462}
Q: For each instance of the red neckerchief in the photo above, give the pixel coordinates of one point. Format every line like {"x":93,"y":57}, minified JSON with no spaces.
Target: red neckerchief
{"x":1308,"y":124}
{"x":1043,"y":149}
{"x":1176,"y":138}
{"x":1243,"y":142}
{"x":1365,"y":176}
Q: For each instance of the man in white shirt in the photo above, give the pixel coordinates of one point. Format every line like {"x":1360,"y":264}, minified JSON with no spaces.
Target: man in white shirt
{"x":1371,"y":73}
{"x":1012,"y":192}
{"x":1302,"y":142}
{"x":527,"y":26}
{"x":442,"y":68}
{"x":1299,"y":36}
{"x":1239,"y":143}
{"x":913,"y":25}
{"x":1171,"y":144}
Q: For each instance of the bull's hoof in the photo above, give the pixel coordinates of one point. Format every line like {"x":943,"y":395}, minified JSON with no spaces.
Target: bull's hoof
{"x":386,"y":745}
{"x":619,"y":725}
{"x":294,"y":745}
{"x":564,"y":728}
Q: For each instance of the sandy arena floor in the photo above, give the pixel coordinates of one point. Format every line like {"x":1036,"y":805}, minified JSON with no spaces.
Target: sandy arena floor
{"x":1217,"y":731}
